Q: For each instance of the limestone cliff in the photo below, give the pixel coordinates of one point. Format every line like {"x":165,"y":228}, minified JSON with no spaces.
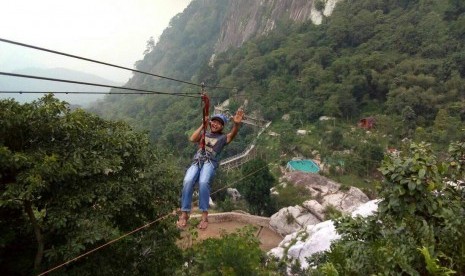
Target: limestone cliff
{"x":207,"y":27}
{"x":246,"y":19}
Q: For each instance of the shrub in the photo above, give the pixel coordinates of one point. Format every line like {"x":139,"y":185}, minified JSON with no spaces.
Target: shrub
{"x":233,"y":254}
{"x":290,"y":196}
{"x":418,"y":211}
{"x":332,"y":213}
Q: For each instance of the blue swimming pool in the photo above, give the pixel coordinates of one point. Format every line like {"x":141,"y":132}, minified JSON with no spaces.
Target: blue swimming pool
{"x":303,"y":165}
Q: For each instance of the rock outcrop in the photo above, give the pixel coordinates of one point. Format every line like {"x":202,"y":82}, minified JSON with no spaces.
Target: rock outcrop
{"x":230,"y":24}
{"x":315,"y":238}
{"x":234,"y":194}
{"x":325,"y":194}
{"x":247,"y":19}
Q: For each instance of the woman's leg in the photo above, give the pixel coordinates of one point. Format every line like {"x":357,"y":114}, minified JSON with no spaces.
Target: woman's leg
{"x":206,"y":176}
{"x":192,"y":174}
{"x":207,"y":173}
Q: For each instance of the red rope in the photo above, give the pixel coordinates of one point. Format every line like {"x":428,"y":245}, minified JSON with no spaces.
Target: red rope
{"x":205,"y":113}
{"x":104,"y":245}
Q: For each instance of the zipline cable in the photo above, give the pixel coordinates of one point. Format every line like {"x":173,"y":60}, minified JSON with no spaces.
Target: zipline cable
{"x":76,"y":92}
{"x":87,"y":93}
{"x":97,"y":84}
{"x":237,"y":181}
{"x":92,"y":60}
{"x":103,"y":63}
{"x":136,"y":230}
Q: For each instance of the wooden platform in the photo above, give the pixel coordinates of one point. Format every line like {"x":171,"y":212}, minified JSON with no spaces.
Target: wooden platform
{"x":229,"y":223}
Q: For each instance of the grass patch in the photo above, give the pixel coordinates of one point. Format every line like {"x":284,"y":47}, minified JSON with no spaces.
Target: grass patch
{"x":353,"y":180}
{"x":332,"y":213}
{"x":367,"y":187}
{"x":290,"y":196}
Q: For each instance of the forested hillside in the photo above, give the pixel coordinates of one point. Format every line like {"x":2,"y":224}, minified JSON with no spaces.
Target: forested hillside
{"x":73,"y":183}
{"x":400,"y":61}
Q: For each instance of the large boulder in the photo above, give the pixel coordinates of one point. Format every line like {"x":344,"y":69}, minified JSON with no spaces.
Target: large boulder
{"x":324,"y":193}
{"x":304,"y":243}
{"x":315,"y":238}
{"x":234,"y":194}
{"x":318,"y":185}
{"x":290,"y":219}
{"x":345,"y":200}
{"x":315,"y":208}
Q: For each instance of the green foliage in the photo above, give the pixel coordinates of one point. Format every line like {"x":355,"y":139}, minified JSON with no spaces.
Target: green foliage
{"x":233,"y":254}
{"x":70,"y":182}
{"x":417,"y":210}
{"x":255,"y":187}
{"x":332,"y":213}
{"x":335,"y":139}
{"x":290,"y":195}
{"x":445,"y":127}
{"x":432,"y":265}
{"x":410,"y":182}
{"x":227,"y":205}
{"x":320,"y":5}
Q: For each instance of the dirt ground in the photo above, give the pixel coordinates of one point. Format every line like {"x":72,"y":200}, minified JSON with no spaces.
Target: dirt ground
{"x":268,"y":238}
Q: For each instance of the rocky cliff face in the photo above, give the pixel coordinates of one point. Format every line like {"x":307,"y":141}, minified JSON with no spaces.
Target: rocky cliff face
{"x":207,"y":27}
{"x":314,"y":238}
{"x":325,"y":193}
{"x":246,"y":19}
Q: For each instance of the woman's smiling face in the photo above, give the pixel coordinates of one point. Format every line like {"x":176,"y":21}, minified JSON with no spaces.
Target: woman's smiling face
{"x":216,"y":126}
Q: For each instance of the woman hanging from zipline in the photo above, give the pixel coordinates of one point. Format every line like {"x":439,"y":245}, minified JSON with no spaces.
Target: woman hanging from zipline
{"x":205,"y":163}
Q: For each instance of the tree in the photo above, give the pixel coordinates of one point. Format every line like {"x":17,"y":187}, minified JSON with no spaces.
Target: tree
{"x":455,"y":9}
{"x":408,"y":120}
{"x":256,"y":185}
{"x":370,"y":155}
{"x":71,"y":181}
{"x":150,"y":45}
{"x":335,"y":139}
{"x":445,"y":127}
{"x":440,"y":124}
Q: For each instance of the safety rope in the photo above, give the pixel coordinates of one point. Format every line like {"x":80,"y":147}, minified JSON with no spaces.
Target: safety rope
{"x":240,"y":179}
{"x":205,"y":114}
{"x":104,"y":245}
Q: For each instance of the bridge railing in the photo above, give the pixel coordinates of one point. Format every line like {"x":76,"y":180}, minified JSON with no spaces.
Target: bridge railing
{"x":241,"y":158}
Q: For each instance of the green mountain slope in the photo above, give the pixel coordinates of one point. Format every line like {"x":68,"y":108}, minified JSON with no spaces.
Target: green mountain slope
{"x":401,"y":61}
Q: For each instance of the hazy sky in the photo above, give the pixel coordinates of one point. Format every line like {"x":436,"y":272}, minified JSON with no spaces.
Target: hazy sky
{"x":113,"y":31}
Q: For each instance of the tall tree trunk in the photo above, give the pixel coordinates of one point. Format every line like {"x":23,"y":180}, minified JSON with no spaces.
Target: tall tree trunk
{"x":38,"y":234}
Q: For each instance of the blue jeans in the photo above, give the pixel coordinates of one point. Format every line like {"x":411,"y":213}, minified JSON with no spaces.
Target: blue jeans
{"x":202,"y":174}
